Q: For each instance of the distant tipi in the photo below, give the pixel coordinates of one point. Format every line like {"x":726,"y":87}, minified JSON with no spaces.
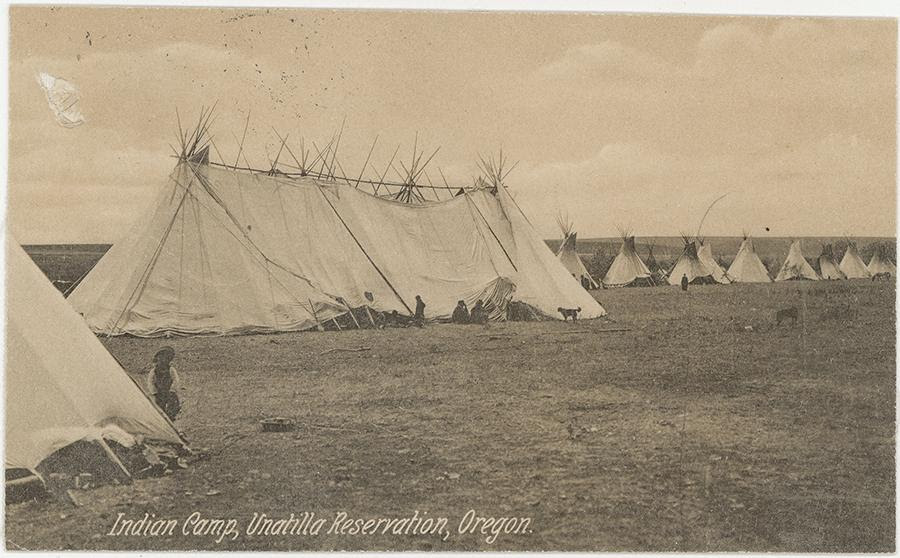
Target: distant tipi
{"x":880,"y":263}
{"x":690,"y":265}
{"x":656,"y":271}
{"x":627,"y":269}
{"x":852,"y":264}
{"x":828,"y":267}
{"x":747,"y":267}
{"x":795,"y":266}
{"x":706,"y":256}
{"x":569,"y":256}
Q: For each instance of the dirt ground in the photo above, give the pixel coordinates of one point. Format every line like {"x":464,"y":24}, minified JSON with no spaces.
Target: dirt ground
{"x":700,"y":427}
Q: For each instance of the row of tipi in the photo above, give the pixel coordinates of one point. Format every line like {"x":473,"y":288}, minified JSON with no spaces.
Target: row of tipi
{"x":851,"y":266}
{"x":698,"y":265}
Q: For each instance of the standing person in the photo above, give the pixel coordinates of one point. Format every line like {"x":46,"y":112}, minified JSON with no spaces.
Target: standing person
{"x":163,"y":382}
{"x":684,"y":282}
{"x":419,"y":317}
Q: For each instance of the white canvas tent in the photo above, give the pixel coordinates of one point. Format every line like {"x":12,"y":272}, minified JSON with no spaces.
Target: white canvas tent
{"x":689,"y":264}
{"x":61,"y":384}
{"x":747,"y":267}
{"x":880,"y":264}
{"x":627,"y":268}
{"x":706,"y":257}
{"x":568,"y":254}
{"x":223,"y":251}
{"x":852,"y":264}
{"x":828,"y":268}
{"x":795,"y":266}
{"x":656,"y":271}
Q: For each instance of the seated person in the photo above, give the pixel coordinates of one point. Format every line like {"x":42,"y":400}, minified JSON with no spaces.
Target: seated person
{"x":460,"y":313}
{"x":479,"y":313}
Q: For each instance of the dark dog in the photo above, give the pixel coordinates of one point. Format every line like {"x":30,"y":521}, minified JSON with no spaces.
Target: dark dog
{"x":786,"y":313}
{"x":569,"y":313}
{"x":883,"y":276}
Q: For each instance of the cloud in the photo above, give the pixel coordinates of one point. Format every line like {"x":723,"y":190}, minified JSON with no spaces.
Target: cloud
{"x":619,"y":127}
{"x":811,"y":188}
{"x":605,"y":60}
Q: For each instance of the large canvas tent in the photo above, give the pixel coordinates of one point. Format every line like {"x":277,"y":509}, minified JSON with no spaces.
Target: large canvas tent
{"x":852,"y":264}
{"x":690,"y":264}
{"x":795,"y":266}
{"x":62,"y":386}
{"x":227,"y":251}
{"x":627,"y":269}
{"x":828,"y":267}
{"x":568,"y":254}
{"x":879,"y":263}
{"x":747,"y":267}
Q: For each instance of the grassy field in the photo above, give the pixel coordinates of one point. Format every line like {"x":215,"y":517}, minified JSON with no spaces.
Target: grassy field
{"x":65,"y":264}
{"x":687,"y":421}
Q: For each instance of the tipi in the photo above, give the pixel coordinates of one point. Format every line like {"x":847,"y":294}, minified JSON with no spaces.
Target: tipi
{"x":747,"y":267}
{"x":852,"y":264}
{"x":795,"y":266}
{"x":880,"y":264}
{"x":656,"y":271}
{"x":689,"y":264}
{"x":568,"y":255}
{"x":828,"y":268}
{"x":61,"y":384}
{"x":706,"y":257}
{"x":627,"y":269}
{"x":228,"y":251}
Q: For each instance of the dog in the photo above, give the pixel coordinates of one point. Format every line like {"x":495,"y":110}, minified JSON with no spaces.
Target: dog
{"x":883,"y":276}
{"x":785,"y":314}
{"x":569,"y":313}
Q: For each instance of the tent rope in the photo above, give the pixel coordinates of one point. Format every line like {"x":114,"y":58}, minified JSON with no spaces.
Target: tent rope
{"x":145,"y":276}
{"x":366,"y":254}
{"x":258,"y":252}
{"x":473,"y":204}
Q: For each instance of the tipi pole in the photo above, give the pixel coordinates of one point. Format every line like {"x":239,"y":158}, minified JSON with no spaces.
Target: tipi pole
{"x":115,"y":459}
{"x":371,"y":319}
{"x":243,"y":137}
{"x":315,"y":315}
{"x":367,"y":162}
{"x":351,"y":313}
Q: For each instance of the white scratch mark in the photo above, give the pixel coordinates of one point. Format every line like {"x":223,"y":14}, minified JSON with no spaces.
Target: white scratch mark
{"x":63,"y":100}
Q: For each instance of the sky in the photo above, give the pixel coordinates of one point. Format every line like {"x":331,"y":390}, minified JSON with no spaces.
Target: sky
{"x":619,"y":122}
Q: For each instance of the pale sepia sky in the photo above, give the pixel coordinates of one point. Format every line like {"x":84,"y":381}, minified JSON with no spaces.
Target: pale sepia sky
{"x":617,"y":120}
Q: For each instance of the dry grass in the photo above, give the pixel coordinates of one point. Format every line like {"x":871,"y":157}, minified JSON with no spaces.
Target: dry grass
{"x":688,"y":432}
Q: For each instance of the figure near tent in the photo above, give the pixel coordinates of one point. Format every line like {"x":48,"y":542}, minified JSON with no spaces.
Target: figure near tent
{"x":460,"y":313}
{"x":419,"y":317}
{"x":163,"y":382}
{"x":479,"y":313}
